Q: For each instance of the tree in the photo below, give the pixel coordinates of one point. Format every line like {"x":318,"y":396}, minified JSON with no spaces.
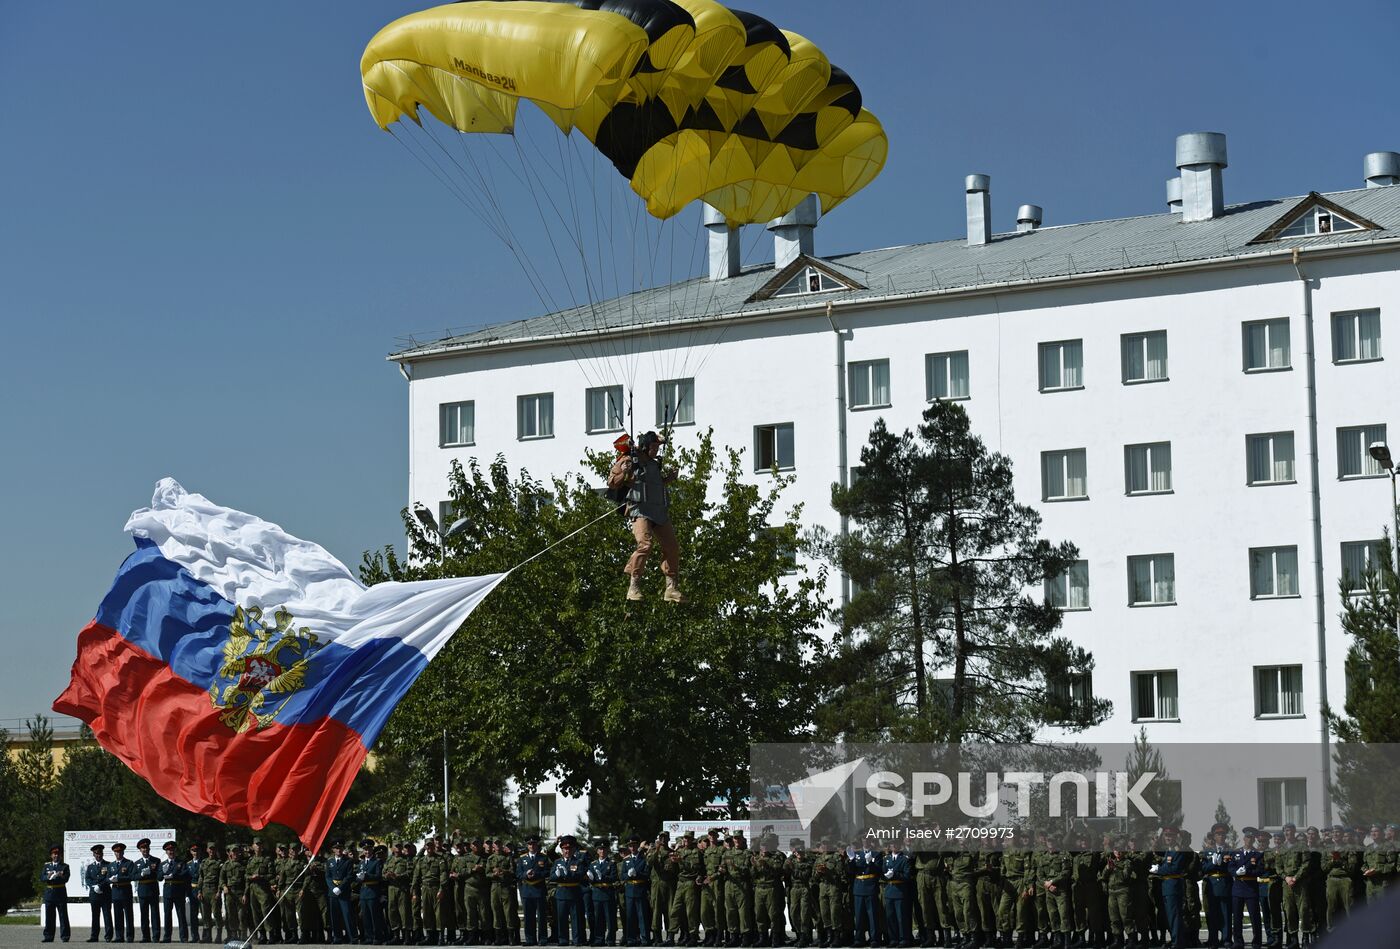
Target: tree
{"x":941,"y":557}
{"x":1222,"y":816}
{"x":648,"y":707}
{"x":1163,"y":795}
{"x":17,"y":869}
{"x":1368,"y":734}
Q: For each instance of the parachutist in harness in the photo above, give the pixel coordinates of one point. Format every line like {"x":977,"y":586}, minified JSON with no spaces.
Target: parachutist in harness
{"x":637,"y":480}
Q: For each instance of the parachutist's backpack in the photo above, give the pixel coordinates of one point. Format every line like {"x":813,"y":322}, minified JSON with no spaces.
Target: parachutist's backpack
{"x":620,"y":481}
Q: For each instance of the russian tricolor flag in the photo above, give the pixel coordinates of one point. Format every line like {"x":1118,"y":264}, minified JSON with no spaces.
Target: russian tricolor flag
{"x":244,"y":672}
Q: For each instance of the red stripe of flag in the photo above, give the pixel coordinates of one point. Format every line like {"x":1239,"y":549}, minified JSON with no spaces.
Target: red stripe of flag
{"x":168,"y":731}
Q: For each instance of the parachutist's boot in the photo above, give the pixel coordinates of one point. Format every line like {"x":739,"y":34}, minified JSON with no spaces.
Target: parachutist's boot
{"x":673,"y":593}
{"x":634,"y":589}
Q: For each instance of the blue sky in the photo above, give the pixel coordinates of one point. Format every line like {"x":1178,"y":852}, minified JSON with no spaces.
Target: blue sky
{"x":207,"y":248}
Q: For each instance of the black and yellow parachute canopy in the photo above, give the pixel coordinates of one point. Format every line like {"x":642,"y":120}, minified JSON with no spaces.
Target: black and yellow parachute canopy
{"x":689,"y":100}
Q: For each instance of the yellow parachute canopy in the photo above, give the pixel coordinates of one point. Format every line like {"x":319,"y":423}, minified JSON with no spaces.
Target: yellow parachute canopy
{"x":689,"y":100}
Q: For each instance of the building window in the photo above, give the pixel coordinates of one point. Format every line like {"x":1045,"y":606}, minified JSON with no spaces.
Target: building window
{"x":1145,"y":357}
{"x":456,"y":424}
{"x":1266,"y":346}
{"x":1354,"y":451}
{"x":1359,"y":557}
{"x":1070,"y":590}
{"x":1152,"y":579}
{"x":870,"y":384}
{"x":1071,"y":695}
{"x":1062,"y":365}
{"x":1318,"y":220}
{"x":1283,"y":801}
{"x":1148,"y":468}
{"x":1154,"y":696}
{"x":534,"y":416}
{"x":675,"y":402}
{"x":604,"y":409}
{"x":538,"y":811}
{"x":945,"y":376}
{"x":1270,"y":458}
{"x":1064,"y":475}
{"x":808,"y":280}
{"x":444,"y":517}
{"x":1273,"y":572}
{"x":773,"y":447}
{"x":1278,"y":691}
{"x":1356,"y":336}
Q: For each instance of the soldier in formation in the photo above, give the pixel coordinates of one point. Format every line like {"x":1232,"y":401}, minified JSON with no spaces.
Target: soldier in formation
{"x":1284,"y":890}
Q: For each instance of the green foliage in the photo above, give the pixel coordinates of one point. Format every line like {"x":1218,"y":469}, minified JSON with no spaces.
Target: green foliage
{"x":1222,"y":816}
{"x":648,"y":707}
{"x":941,"y":641}
{"x":1368,"y":734}
{"x":17,"y":843}
{"x":1163,"y":794}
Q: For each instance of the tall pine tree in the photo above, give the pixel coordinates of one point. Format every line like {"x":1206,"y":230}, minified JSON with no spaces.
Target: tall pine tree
{"x":947,"y":636}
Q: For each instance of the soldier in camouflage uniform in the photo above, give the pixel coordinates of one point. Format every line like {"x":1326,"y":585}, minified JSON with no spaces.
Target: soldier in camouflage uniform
{"x":260,"y":873}
{"x":688,"y":865}
{"x":1117,"y":874}
{"x":830,"y":876}
{"x":1019,"y":883}
{"x":768,"y":894}
{"x":211,"y":893}
{"x":233,"y":881}
{"x":1086,"y":890}
{"x":798,"y":876}
{"x":500,"y":870}
{"x":1340,"y":865}
{"x":712,"y":890}
{"x":663,"y":888}
{"x":398,"y":874}
{"x":962,"y":887}
{"x":315,"y":908}
{"x":737,"y":867}
{"x":1378,"y":866}
{"x":1056,"y":874}
{"x":429,"y":886}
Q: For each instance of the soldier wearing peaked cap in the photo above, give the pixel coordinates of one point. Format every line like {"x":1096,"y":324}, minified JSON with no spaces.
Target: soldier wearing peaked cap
{"x":636,"y":878}
{"x":148,"y":889}
{"x":175,"y":887}
{"x":122,"y":875}
{"x":1215,"y":856}
{"x":97,"y":879}
{"x":1245,"y":866}
{"x":194,"y":859}
{"x":55,"y":876}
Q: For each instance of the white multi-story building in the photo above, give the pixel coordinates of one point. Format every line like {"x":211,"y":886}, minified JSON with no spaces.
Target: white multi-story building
{"x":1188,"y":396}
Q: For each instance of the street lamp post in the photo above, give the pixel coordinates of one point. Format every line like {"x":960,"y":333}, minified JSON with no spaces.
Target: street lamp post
{"x":1380,"y":451}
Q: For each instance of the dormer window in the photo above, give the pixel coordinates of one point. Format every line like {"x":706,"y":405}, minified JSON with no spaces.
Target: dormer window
{"x":808,"y":280}
{"x":1318,"y":220}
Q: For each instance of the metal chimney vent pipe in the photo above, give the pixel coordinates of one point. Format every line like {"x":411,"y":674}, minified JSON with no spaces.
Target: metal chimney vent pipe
{"x":1028,"y":217}
{"x":1173,"y":195}
{"x":1382,"y":169}
{"x":979,"y":210}
{"x":793,"y":233}
{"x":724,"y":245}
{"x":1200,"y":157}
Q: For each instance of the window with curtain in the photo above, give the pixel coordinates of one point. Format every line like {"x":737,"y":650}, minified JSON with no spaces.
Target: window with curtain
{"x":1278,"y":691}
{"x":604,"y":409}
{"x":1354,"y":451}
{"x":1149,"y":468}
{"x":1283,"y":801}
{"x":1359,"y":557}
{"x":1266,"y":345}
{"x":1152,"y":579}
{"x":675,"y":402}
{"x":1145,"y":357}
{"x":1273,"y":572}
{"x":538,"y":811}
{"x":1155,"y":696}
{"x":535,"y":416}
{"x":456,"y":424}
{"x":945,"y":376}
{"x":1064,"y":475}
{"x":1072,"y":693}
{"x":1062,"y":365}
{"x":870,"y":383}
{"x":1356,"y":336}
{"x":1269,"y":458}
{"x":1070,"y":590}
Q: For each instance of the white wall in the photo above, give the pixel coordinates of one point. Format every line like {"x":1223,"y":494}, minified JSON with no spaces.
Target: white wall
{"x":1215,"y":634}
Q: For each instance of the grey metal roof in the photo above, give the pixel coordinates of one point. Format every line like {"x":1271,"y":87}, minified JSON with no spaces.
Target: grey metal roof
{"x":1095,"y":247}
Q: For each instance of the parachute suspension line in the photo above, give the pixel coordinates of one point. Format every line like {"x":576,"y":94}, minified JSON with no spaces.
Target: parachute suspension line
{"x":500,"y":225}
